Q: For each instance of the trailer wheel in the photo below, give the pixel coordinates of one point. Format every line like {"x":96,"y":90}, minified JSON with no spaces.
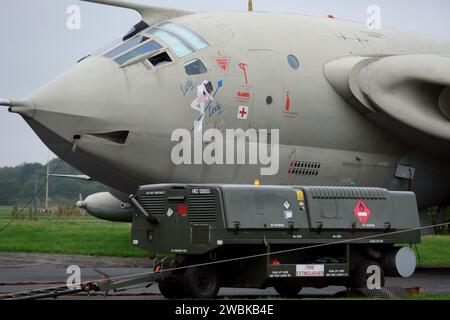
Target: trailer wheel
{"x":360,"y":276}
{"x":201,"y":283}
{"x":291,"y":291}
{"x":172,"y":290}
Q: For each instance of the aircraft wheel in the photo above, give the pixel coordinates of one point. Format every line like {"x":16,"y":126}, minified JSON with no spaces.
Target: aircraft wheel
{"x":172,"y":290}
{"x":360,"y":275}
{"x":201,"y":283}
{"x":288,"y":291}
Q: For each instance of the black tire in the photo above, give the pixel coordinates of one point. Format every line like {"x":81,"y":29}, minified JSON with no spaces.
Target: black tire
{"x":201,"y":283}
{"x":172,"y":290}
{"x":360,"y":276}
{"x":286,"y":291}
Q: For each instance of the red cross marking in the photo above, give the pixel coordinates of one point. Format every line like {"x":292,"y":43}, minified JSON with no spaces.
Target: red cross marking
{"x":243,"y":113}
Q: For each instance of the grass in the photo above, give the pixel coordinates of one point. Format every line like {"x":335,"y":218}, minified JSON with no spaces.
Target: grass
{"x":434,"y":250}
{"x":70,"y":237}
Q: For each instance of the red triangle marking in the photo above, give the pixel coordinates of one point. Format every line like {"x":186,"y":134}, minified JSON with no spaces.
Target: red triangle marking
{"x":223,"y":63}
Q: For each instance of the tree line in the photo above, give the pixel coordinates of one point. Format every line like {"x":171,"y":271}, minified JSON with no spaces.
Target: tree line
{"x":18,"y":184}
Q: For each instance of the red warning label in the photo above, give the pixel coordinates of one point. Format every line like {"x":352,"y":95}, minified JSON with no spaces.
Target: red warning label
{"x":182,"y":210}
{"x":243,"y":95}
{"x":223,"y":64}
{"x":362,"y":212}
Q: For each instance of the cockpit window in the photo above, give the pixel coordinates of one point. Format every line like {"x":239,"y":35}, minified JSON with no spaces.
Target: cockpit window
{"x":126,"y":46}
{"x":148,"y":47}
{"x":168,"y":35}
{"x":108,"y":47}
{"x":179,"y":47}
{"x":194,"y":67}
{"x":135,"y":30}
{"x":160,"y":59}
{"x":194,"y":39}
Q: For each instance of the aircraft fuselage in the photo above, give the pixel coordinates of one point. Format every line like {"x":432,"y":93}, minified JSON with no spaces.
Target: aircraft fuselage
{"x":121,"y":119}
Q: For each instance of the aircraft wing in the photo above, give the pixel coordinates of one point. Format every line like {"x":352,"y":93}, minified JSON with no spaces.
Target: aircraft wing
{"x":150,"y":14}
{"x":71,"y":176}
{"x":408,"y":95}
{"x":119,"y":195}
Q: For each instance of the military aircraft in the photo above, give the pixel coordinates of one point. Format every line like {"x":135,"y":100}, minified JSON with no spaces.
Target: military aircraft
{"x":344,"y":105}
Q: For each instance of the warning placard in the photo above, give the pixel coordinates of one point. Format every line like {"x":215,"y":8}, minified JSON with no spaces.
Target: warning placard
{"x":223,"y":64}
{"x":362,"y":212}
{"x":310,"y":270}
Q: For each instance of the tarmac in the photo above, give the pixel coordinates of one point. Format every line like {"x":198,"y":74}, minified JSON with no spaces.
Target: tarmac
{"x":21,"y":272}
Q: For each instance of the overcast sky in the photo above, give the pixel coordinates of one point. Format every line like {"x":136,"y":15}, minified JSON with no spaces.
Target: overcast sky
{"x":36,"y":46}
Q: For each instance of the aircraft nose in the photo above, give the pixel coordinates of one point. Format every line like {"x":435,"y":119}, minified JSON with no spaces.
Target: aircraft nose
{"x":81,"y":204}
{"x":78,"y":100}
{"x":24,"y":107}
